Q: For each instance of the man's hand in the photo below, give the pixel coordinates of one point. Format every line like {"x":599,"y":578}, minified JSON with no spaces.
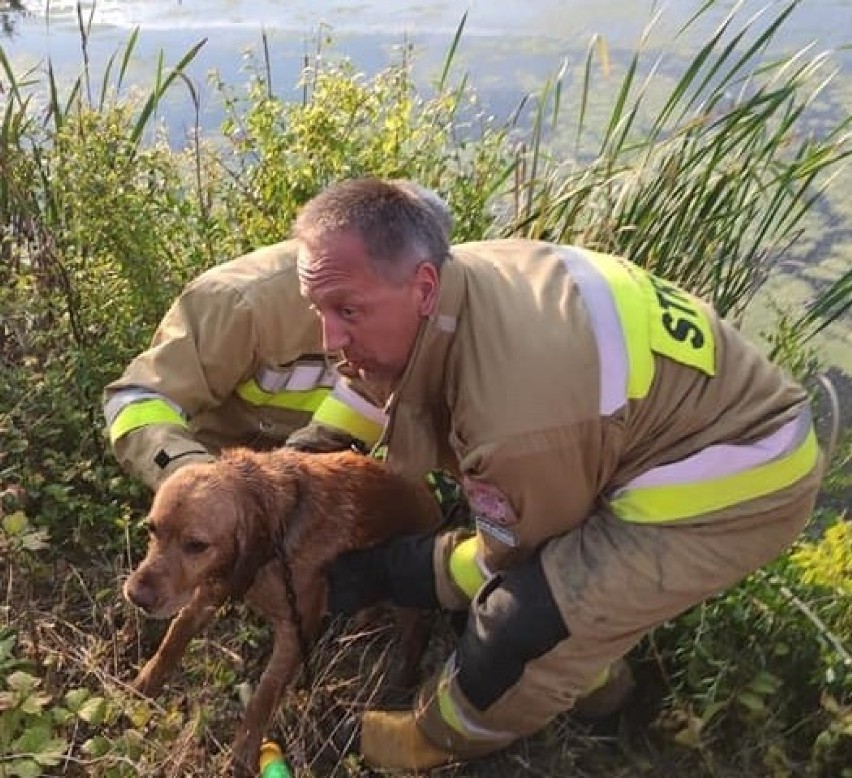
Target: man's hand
{"x":400,"y":571}
{"x":356,"y":580}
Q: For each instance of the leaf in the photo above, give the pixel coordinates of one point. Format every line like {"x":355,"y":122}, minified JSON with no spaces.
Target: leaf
{"x":75,"y":698}
{"x":829,"y":703}
{"x":35,"y":703}
{"x":7,"y":645}
{"x":61,"y":716}
{"x":22,"y":682}
{"x":15,"y":523}
{"x":38,"y":741}
{"x":52,"y":752}
{"x":712,"y":709}
{"x":96,"y":746}
{"x":751,"y":702}
{"x":764,"y":683}
{"x":93,"y":711}
{"x":140,"y":714}
{"x":23,"y":768}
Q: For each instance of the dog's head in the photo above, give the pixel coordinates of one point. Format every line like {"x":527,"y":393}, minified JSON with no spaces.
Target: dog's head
{"x":211,"y":527}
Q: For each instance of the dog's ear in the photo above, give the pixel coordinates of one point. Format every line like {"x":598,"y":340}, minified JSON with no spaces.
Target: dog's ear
{"x":252,"y":553}
{"x":271,"y":502}
{"x":252,"y":539}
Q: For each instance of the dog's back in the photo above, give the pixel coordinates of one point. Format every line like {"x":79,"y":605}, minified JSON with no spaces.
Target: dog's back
{"x":384,"y":503}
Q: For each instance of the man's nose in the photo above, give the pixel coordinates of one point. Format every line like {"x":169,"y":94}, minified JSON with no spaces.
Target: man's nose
{"x":335,"y":336}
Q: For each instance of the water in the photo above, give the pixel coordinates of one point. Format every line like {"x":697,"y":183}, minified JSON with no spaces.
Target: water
{"x":509,"y":47}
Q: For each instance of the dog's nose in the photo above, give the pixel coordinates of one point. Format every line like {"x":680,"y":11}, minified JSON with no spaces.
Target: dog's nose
{"x":140,"y":594}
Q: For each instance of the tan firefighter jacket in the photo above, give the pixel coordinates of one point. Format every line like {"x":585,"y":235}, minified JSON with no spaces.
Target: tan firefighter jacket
{"x":237,"y":360}
{"x":558,"y":382}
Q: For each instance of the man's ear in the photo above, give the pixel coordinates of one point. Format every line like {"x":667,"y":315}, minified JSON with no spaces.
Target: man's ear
{"x":426,"y":284}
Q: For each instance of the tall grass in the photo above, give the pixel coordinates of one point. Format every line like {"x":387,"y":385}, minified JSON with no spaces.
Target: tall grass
{"x":707,"y":184}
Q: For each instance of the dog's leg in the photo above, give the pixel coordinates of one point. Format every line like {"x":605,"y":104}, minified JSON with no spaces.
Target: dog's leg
{"x":185,"y":625}
{"x":414,"y":628}
{"x":282,"y":668}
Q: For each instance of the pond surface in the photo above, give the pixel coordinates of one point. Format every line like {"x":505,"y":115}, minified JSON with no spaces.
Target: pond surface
{"x":508,"y":47}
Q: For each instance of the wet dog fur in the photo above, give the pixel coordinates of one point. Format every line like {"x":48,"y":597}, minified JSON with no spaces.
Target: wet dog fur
{"x":214,"y":530}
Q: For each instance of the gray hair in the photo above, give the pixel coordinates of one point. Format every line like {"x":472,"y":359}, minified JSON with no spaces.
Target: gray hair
{"x":401,"y":223}
{"x":432,"y":200}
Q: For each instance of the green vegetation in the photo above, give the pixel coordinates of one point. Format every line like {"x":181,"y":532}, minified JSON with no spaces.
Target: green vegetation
{"x":705,"y":177}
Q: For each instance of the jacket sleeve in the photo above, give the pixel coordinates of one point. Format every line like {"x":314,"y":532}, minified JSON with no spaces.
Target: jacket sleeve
{"x":352,"y":416}
{"x":526,"y":490}
{"x":202,"y":350}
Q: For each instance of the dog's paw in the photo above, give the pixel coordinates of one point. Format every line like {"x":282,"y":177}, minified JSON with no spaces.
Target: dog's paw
{"x":146,"y":684}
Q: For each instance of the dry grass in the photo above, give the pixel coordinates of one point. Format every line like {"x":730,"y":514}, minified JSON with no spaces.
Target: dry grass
{"x":75,"y":631}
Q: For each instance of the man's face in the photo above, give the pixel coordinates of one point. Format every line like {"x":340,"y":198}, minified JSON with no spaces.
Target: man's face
{"x":371,"y":321}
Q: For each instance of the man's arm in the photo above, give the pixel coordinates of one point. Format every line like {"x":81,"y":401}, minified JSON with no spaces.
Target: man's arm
{"x":202,"y":349}
{"x":519,"y":493}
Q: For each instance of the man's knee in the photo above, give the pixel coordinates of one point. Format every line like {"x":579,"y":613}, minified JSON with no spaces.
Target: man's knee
{"x":513,"y":620}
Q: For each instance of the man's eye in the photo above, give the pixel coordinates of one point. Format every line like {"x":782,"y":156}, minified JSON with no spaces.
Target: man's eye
{"x":348,"y":312}
{"x":194,"y":547}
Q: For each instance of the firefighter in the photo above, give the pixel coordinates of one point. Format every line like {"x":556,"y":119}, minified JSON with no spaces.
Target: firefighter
{"x":238,"y":360}
{"x":626,"y":454}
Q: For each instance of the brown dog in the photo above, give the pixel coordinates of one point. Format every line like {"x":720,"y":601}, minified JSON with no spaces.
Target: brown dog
{"x":232,"y":529}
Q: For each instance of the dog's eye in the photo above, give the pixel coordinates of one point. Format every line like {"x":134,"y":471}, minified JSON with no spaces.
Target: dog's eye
{"x":194,"y":547}
{"x":150,"y":528}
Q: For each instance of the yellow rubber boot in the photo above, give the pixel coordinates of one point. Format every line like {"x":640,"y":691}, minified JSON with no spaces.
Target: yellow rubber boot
{"x":392,"y":740}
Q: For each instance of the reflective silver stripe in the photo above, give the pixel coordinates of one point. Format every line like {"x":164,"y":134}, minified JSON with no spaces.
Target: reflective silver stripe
{"x":348,"y":396}
{"x":301,"y":376}
{"x":727,"y":459}
{"x":457,"y":717}
{"x":479,"y":560}
{"x":134,"y":394}
{"x":606,"y":324}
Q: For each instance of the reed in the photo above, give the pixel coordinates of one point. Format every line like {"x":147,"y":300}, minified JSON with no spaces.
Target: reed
{"x":710,"y":184}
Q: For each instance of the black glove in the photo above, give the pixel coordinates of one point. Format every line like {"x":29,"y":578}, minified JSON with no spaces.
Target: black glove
{"x":318,"y":439}
{"x":399,"y":570}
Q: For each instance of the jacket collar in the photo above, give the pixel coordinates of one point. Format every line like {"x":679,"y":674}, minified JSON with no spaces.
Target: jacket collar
{"x":419,"y":400}
{"x":422,"y":383}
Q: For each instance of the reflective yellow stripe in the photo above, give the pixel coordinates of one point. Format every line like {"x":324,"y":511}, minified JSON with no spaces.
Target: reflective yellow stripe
{"x":448,"y":709}
{"x":454,"y":716}
{"x":631,"y":304}
{"x":308,"y":400}
{"x":337,"y":414}
{"x":463,"y":568}
{"x":683,"y":501}
{"x":679,"y":327}
{"x":142,"y":414}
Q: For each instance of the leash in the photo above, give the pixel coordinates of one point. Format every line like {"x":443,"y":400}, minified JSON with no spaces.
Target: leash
{"x":293,"y":603}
